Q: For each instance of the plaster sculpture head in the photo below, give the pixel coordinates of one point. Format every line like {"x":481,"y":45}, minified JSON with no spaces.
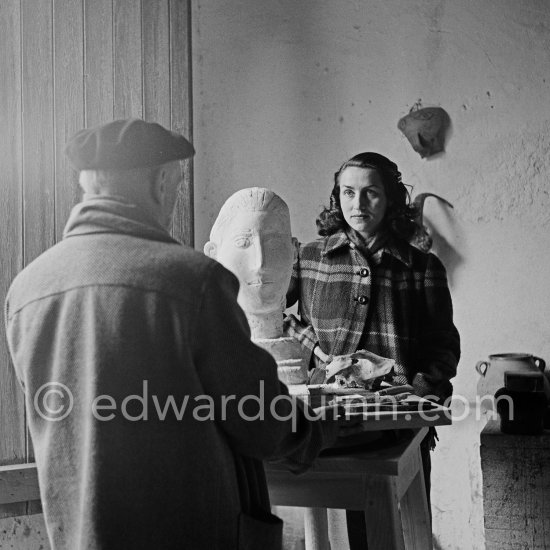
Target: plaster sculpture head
{"x":252,"y":238}
{"x":425,"y":129}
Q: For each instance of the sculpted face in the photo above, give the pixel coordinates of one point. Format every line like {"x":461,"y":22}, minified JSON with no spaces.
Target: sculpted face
{"x":257,"y":247}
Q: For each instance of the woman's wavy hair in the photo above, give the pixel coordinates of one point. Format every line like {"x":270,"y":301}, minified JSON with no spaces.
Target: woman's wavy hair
{"x":400,"y":214}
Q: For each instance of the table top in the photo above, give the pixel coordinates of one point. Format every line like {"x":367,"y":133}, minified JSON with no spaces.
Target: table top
{"x":387,"y":460}
{"x":491,"y":436}
{"x":422,"y":413}
{"x":418,"y":414}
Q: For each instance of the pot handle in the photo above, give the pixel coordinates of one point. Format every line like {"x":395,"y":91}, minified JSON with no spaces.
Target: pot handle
{"x":479,"y":366}
{"x":541,"y":363}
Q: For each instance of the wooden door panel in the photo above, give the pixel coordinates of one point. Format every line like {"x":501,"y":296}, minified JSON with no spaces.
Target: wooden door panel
{"x":67,"y":64}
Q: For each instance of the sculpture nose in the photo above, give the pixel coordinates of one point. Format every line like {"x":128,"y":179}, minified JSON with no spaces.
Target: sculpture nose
{"x":258,"y":257}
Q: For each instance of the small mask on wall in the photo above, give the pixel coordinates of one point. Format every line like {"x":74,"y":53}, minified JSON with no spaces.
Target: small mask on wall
{"x":425,"y":129}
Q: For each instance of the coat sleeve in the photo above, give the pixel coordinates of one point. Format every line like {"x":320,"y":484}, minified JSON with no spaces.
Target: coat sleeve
{"x":439,"y":338}
{"x":300,"y":329}
{"x":253,"y":408}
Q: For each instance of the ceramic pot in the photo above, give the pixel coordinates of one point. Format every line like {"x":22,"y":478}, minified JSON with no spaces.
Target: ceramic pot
{"x":492,"y":371}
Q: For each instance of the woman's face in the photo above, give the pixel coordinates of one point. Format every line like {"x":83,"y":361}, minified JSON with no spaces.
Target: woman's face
{"x":362,"y":199}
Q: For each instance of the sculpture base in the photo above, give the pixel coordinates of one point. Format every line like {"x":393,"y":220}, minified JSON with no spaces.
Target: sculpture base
{"x":291,"y":366}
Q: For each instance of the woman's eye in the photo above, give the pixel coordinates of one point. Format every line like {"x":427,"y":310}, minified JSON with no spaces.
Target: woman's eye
{"x":348,"y":193}
{"x":242,"y":242}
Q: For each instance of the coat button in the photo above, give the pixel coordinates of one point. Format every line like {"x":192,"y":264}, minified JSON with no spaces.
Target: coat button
{"x":361,"y":299}
{"x":352,"y":245}
{"x":363,"y":272}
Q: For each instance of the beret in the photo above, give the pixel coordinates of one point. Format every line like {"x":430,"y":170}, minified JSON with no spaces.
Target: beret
{"x":124,"y":144}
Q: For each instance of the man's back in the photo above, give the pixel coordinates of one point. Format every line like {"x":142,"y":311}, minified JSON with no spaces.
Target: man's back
{"x":148,"y":406}
{"x":125,"y":319}
{"x":113,"y":315}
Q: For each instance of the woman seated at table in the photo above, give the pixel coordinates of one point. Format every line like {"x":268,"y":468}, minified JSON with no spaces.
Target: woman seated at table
{"x":363,"y":286}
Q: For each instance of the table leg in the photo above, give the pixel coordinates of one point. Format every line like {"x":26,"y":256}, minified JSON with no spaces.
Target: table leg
{"x":384,"y":531}
{"x":316,"y":529}
{"x":338,"y":529}
{"x":417,"y":525}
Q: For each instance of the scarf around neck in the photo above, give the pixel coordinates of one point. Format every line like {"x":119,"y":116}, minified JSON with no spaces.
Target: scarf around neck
{"x":370,"y":246}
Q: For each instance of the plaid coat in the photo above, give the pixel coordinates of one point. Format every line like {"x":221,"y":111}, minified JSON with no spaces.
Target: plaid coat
{"x":396,"y":304}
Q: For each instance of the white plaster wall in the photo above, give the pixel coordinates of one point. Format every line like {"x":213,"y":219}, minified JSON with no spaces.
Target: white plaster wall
{"x":285,"y":90}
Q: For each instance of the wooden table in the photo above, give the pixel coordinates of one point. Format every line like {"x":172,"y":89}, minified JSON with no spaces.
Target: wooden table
{"x":387,"y":484}
{"x":516,"y":489}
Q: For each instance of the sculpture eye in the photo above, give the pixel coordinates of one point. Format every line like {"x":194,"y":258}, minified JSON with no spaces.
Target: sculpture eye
{"x":242,"y":242}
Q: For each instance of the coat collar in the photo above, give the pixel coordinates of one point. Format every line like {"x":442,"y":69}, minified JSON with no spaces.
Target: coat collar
{"x":397,"y":248}
{"x":336,"y":241}
{"x":113,"y":214}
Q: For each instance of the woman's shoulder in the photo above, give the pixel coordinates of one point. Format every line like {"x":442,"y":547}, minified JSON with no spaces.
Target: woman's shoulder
{"x":417,"y":259}
{"x":317,"y":244}
{"x":322,"y":244}
{"x":425,"y":257}
{"x":311,"y":251}
{"x":429,"y":263}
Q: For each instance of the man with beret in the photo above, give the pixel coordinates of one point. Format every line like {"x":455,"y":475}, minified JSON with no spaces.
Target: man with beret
{"x":148,"y":406}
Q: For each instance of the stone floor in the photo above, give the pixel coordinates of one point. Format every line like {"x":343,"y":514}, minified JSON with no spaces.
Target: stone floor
{"x":29,"y":532}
